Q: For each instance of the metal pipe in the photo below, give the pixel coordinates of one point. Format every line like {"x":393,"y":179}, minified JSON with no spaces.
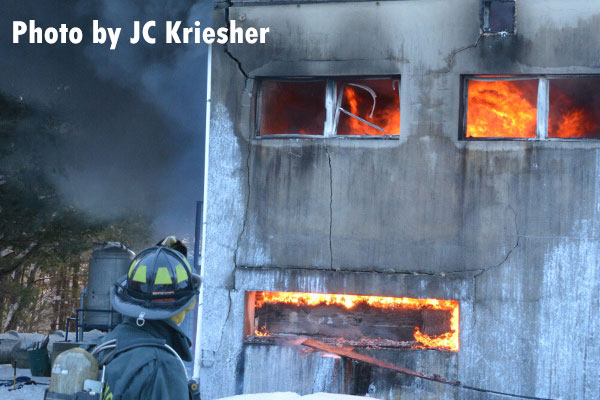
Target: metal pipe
{"x":67,"y":327}
{"x":77,"y":326}
{"x":197,"y":255}
{"x":198,"y":234}
{"x":82,"y":304}
{"x":198,"y":339}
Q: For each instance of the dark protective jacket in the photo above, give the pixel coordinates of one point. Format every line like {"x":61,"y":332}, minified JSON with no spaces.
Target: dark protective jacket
{"x":148,"y":373}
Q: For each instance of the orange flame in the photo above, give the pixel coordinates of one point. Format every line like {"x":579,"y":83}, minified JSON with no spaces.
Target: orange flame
{"x":446,"y":341}
{"x":502,"y":109}
{"x":262,"y":332}
{"x":566,"y":120}
{"x":385,"y":116}
{"x":573,"y":124}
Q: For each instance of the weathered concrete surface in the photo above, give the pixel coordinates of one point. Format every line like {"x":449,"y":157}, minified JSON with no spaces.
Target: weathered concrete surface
{"x":519,"y":220}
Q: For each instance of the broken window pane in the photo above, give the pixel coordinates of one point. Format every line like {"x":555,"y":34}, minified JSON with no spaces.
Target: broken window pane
{"x":369,"y":107}
{"x":289,"y":107}
{"x":498,"y":16}
{"x":574,"y":108}
{"x":502,"y":109}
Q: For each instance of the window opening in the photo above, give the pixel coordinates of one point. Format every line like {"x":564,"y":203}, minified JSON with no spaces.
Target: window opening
{"x":530,"y":107}
{"x":353,"y":320}
{"x":498,"y":17}
{"x":292,"y":107}
{"x":503,"y":108}
{"x":574,"y":108}
{"x":368,"y":107}
{"x":329,"y":107}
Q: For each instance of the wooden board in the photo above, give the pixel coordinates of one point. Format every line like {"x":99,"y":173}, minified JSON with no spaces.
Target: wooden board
{"x":280,"y":339}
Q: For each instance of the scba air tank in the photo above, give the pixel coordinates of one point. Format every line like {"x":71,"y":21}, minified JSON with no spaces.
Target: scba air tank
{"x":70,"y":371}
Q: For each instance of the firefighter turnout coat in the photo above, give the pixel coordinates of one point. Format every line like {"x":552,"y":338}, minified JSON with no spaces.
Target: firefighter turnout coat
{"x":142,"y":367}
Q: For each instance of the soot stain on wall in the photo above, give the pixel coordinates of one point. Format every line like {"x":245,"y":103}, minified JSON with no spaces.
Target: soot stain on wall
{"x":514,"y":221}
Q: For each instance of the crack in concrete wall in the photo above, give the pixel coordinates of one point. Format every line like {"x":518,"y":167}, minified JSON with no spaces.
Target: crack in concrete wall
{"x":330,"y":207}
{"x":367,"y":271}
{"x":510,"y":251}
{"x":450,"y":59}
{"x":229,"y":307}
{"x":226,"y":48}
{"x":504,"y":259}
{"x":246,"y":207}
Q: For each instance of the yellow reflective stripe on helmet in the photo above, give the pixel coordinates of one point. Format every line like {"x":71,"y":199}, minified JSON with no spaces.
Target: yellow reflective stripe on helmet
{"x":163,"y":277}
{"x":140,"y":274}
{"x":182,"y":274}
{"x":133,"y":264}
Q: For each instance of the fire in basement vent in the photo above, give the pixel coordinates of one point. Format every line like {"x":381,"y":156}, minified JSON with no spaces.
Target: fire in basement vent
{"x":353,"y":320}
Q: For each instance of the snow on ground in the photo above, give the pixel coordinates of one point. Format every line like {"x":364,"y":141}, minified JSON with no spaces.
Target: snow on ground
{"x":27,"y":392}
{"x":36,"y":392}
{"x":332,"y":396}
{"x":265,"y":396}
{"x":292,"y":396}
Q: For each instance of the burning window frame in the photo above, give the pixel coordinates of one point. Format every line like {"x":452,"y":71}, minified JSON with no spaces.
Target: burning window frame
{"x":542,"y":106}
{"x":332,"y":101}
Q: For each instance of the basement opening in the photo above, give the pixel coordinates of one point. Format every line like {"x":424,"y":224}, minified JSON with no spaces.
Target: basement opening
{"x":342,"y":107}
{"x":352,"y":320}
{"x":531,"y":107}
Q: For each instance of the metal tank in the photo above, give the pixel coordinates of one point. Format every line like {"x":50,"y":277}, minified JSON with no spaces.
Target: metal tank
{"x":108,"y":263}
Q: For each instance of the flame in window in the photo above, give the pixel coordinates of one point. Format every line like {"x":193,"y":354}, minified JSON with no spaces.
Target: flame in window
{"x":574,"y":108}
{"x":261,"y":332}
{"x":292,"y":107}
{"x":370,"y":107}
{"x":502,"y":109}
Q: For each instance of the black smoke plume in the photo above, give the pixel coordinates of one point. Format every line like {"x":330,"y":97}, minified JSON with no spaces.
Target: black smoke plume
{"x":129,"y":122}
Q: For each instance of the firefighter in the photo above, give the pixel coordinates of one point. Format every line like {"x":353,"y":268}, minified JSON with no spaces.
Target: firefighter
{"x":143,"y":355}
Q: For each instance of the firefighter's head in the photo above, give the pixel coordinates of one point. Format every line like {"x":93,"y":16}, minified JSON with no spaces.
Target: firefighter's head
{"x":159,"y":285}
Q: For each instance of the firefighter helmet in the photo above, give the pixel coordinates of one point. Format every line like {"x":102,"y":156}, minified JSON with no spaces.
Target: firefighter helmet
{"x":159,"y":285}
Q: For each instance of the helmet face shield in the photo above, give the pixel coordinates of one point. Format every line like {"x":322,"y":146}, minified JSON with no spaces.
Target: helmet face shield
{"x":159,"y":283}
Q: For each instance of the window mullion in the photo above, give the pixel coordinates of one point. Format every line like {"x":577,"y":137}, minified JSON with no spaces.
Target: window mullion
{"x":257,"y":119}
{"x":329,"y":108}
{"x":339,"y":92}
{"x":542,"y":108}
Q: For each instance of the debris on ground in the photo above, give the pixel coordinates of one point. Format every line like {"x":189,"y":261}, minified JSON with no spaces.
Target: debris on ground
{"x":27,"y":389}
{"x":293,"y":396}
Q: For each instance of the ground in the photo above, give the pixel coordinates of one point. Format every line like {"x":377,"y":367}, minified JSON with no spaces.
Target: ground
{"x":291,"y":396}
{"x":36,"y":392}
{"x":27,"y":392}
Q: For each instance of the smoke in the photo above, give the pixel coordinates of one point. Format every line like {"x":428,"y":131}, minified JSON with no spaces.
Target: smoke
{"x":131,"y":120}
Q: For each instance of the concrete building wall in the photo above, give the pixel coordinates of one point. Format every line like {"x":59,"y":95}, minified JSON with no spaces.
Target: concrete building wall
{"x":514,"y":222}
